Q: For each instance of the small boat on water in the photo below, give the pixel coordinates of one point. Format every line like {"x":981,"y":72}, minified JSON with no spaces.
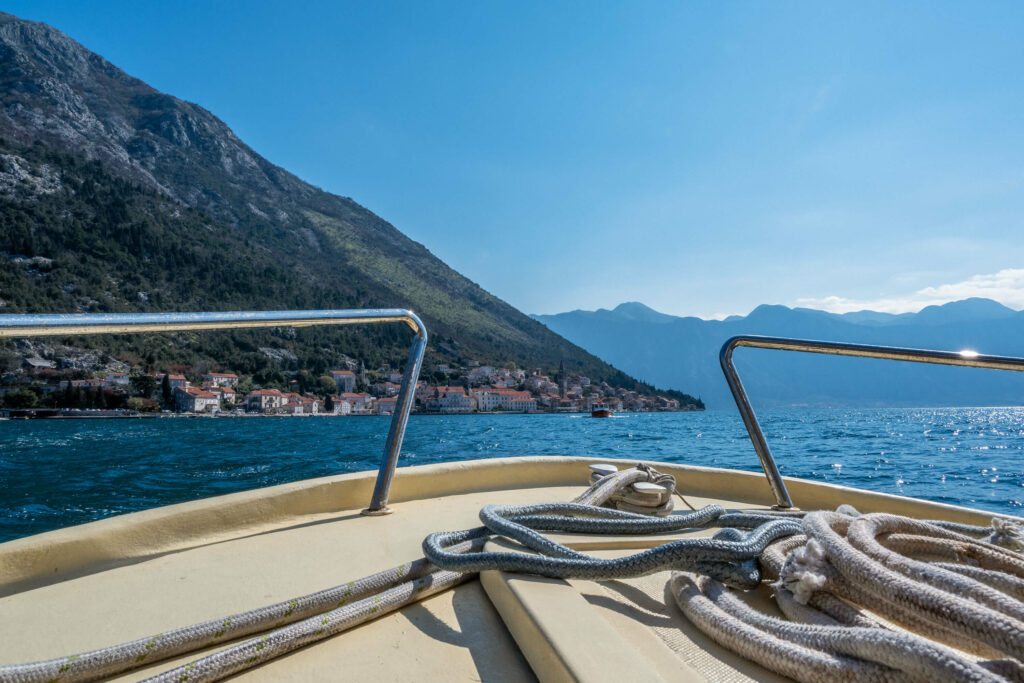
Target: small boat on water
{"x":599,"y":410}
{"x":754,"y":576}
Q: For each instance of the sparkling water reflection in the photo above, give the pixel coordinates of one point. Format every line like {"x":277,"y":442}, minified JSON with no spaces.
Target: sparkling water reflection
{"x":54,"y":473}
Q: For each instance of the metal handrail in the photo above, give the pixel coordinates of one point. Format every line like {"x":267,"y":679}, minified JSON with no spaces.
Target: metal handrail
{"x":119,"y":323}
{"x":771,"y":471}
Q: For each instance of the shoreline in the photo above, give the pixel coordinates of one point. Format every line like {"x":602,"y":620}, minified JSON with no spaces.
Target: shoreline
{"x":32,"y":414}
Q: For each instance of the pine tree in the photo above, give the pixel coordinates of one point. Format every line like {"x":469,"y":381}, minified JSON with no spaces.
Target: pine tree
{"x":166,"y":393}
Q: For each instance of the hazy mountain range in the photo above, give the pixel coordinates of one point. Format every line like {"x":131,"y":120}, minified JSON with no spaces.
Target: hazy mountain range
{"x":117,"y":197}
{"x":683,"y":352}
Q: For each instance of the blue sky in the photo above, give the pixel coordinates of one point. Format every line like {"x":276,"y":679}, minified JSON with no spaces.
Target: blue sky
{"x":703,"y":158}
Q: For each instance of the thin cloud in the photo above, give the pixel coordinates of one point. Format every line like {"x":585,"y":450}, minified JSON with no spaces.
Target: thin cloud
{"x":1006,"y":287}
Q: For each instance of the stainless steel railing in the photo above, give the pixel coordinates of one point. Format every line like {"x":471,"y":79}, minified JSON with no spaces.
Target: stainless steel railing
{"x":120,"y":323}
{"x":771,"y":471}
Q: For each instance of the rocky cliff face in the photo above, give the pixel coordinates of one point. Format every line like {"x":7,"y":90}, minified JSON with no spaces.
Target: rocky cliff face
{"x":57,"y":92}
{"x":149,"y":174}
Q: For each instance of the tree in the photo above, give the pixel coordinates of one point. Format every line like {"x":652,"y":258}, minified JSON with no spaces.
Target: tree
{"x":327,"y":385}
{"x":135,"y":404}
{"x":101,"y":399}
{"x":22,"y":398}
{"x":329,"y":404}
{"x":9,"y":361}
{"x":167,"y":396}
{"x":143,"y":385}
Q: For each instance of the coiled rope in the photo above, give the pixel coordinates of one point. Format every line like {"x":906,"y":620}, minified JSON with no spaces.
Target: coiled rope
{"x":846,"y":573}
{"x":723,"y":558}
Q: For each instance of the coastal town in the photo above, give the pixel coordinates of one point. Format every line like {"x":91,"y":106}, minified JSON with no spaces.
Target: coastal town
{"x":42,"y":387}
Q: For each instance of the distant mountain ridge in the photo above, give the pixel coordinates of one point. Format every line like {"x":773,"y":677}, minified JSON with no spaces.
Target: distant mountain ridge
{"x":117,"y":197}
{"x":683,"y":351}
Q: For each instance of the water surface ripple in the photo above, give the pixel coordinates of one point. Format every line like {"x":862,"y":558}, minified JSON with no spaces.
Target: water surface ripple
{"x":55,"y":473}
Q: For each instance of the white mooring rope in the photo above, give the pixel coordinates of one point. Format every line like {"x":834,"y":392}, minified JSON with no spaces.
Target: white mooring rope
{"x":848,"y":574}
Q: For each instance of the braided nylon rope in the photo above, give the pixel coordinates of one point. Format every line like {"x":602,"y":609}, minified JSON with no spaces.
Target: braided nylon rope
{"x":813,"y":651}
{"x":719,"y":557}
{"x":258,"y":650}
{"x":845,"y":563}
{"x":818,"y":606}
{"x":809,"y":575}
{"x":895,"y":591}
{"x":730,"y":558}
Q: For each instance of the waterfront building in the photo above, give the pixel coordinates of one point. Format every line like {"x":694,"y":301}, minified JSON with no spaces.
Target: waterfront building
{"x":341,"y":406}
{"x":225,"y":394}
{"x":424,"y":392}
{"x":490,"y":398}
{"x":386,"y":389}
{"x":523,"y":404}
{"x":297,"y":404}
{"x":84,"y":384}
{"x":345,"y":379}
{"x":451,"y":400}
{"x":264,"y":401}
{"x":385,"y":406}
{"x":174,"y":380}
{"x":195,"y":400}
{"x":222,"y":379}
{"x":359,"y":404}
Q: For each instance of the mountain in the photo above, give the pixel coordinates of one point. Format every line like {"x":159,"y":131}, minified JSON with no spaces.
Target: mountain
{"x":629,"y":311}
{"x":117,"y":197}
{"x":673,"y":351}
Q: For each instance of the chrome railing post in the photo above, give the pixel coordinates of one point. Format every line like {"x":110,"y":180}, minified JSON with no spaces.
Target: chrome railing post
{"x":771,"y":471}
{"x":120,"y":323}
{"x":393,"y":445}
{"x":764,"y":453}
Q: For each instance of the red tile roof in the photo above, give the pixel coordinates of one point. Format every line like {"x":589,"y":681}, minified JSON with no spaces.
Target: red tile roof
{"x":197,"y":392}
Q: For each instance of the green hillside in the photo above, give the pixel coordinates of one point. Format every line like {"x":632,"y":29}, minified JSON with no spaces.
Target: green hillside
{"x":115,"y":197}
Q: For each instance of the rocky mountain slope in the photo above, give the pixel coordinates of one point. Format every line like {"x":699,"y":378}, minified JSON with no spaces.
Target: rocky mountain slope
{"x":674,"y":352}
{"x":116,"y":197}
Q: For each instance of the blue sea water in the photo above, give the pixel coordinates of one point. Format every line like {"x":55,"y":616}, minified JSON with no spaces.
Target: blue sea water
{"x":55,"y":473}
